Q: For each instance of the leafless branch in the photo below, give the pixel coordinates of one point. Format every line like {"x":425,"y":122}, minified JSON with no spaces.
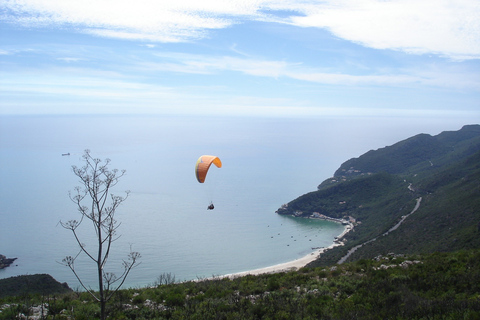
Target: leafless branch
{"x":97,"y":180}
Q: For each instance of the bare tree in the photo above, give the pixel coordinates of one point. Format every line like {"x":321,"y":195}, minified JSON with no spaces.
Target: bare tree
{"x":97,"y":182}
{"x":165,"y":279}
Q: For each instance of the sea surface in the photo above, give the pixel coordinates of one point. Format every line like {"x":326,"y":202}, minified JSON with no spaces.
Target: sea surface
{"x":266,"y":162}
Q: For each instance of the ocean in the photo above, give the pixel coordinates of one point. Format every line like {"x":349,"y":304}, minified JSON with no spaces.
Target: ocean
{"x":266,"y":162}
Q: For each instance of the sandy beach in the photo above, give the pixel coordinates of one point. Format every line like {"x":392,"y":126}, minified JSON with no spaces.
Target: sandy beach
{"x":295,"y":264}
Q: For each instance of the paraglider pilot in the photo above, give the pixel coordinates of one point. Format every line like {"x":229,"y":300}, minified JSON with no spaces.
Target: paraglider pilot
{"x":201,"y":168}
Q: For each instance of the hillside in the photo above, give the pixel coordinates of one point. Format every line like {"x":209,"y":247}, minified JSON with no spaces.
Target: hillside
{"x":420,"y":153}
{"x":434,"y":286}
{"x":42,"y":284}
{"x":378,"y":188}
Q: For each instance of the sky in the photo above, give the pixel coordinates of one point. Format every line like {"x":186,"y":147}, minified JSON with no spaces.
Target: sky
{"x":282,"y":58}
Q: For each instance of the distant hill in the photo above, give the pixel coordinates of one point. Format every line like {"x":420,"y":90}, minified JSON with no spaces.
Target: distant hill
{"x":42,"y":284}
{"x":417,"y":154}
{"x":376,"y":189}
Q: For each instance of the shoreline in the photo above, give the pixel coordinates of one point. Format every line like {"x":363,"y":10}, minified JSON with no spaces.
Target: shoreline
{"x":294,"y":264}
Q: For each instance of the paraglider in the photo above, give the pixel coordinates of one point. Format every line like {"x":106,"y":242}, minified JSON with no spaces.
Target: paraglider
{"x":201,"y":169}
{"x":203,"y":164}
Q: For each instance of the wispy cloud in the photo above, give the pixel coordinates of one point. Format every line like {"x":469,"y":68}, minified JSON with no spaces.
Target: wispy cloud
{"x":433,"y":76}
{"x":69,"y":59}
{"x":447,"y":27}
{"x":202,"y":64}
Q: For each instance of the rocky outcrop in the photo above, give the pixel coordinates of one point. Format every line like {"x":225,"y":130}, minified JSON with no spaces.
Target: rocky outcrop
{"x":5,"y":262}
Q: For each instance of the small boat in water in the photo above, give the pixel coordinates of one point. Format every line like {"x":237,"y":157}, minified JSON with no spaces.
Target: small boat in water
{"x":65,"y":154}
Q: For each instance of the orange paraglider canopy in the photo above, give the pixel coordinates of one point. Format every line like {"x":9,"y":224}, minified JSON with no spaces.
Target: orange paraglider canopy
{"x":203,"y":164}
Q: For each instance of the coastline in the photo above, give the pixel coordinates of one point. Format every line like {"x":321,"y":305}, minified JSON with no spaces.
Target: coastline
{"x":295,"y":264}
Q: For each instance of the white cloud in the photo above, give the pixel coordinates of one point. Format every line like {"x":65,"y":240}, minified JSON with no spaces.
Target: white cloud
{"x":164,"y":21}
{"x":446,"y":27}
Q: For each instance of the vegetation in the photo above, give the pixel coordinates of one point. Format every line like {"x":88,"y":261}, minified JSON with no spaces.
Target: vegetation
{"x":32,"y":284}
{"x":433,"y":286}
{"x":419,"y":153}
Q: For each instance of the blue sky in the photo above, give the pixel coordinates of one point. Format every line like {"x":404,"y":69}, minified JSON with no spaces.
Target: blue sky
{"x":392,"y":58}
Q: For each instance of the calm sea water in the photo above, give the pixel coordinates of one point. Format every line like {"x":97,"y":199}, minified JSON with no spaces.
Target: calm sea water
{"x":266,"y":162}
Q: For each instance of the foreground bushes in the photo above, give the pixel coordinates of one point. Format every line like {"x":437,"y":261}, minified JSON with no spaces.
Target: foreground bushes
{"x":436,"y":286}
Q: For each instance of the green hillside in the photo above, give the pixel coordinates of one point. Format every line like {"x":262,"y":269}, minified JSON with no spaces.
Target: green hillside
{"x":380,"y":187}
{"x":43,"y":284}
{"x":419,"y":153}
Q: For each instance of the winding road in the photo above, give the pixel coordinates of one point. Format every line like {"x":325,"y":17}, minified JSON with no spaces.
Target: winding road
{"x":349,"y":253}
